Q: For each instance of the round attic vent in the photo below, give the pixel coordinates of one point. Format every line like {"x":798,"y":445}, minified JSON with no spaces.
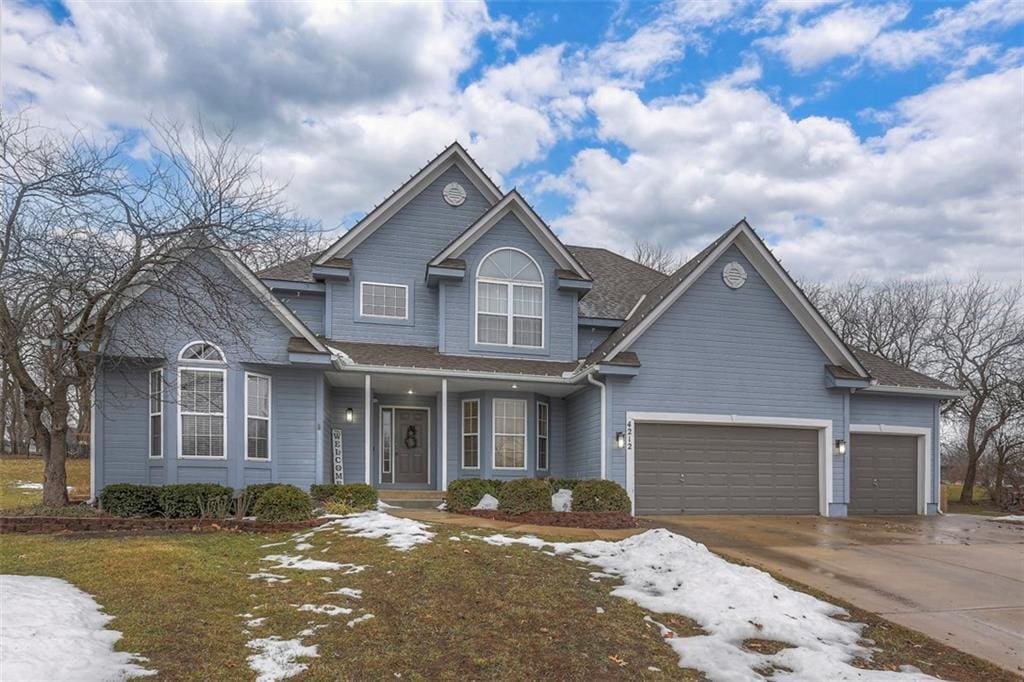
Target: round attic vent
{"x":734,"y":275}
{"x":454,"y":194}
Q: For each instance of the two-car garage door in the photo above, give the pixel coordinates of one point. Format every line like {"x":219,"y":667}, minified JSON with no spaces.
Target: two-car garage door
{"x":703,"y":469}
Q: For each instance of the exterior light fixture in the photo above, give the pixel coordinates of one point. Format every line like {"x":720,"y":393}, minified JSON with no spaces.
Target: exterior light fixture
{"x":841,"y":446}
{"x":515,"y":386}
{"x":350,"y":415}
{"x":620,"y":439}
{"x":409,"y":391}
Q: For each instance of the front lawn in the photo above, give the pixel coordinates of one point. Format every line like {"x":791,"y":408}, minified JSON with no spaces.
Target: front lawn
{"x":21,"y":480}
{"x":197,"y":606}
{"x":983,"y":504}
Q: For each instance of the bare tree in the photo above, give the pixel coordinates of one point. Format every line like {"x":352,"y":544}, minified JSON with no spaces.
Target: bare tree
{"x":980,"y":346}
{"x":656,"y":256}
{"x":84,"y":233}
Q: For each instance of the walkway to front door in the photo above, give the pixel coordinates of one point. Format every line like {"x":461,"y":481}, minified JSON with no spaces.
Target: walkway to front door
{"x":405,"y":445}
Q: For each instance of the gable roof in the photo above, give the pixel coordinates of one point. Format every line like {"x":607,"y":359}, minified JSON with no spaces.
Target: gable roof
{"x":453,"y":155}
{"x":661,"y":298}
{"x":514,"y":203}
{"x":888,"y":373}
{"x":296,"y":270}
{"x":618,"y":282}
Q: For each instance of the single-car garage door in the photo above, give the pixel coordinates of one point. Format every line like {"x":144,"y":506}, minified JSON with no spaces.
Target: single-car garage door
{"x":883,"y":474}
{"x":700,"y":469}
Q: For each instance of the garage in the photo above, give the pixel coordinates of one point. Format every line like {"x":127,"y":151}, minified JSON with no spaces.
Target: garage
{"x":883,"y":474}
{"x":711,"y":469}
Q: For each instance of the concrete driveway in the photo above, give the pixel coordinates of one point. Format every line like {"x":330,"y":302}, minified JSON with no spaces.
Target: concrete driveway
{"x":957,"y":578}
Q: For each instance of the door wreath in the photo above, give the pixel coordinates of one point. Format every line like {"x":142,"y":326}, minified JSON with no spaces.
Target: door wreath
{"x":410,"y":438}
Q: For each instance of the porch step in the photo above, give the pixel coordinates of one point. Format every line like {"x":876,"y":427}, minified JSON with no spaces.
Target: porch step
{"x":412,"y":499}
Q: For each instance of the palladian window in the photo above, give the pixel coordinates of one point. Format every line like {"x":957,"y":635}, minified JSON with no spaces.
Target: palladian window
{"x":510,"y":300}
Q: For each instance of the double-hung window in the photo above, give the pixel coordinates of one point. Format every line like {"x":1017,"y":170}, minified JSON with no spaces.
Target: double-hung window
{"x":257,"y":416}
{"x":510,"y":300}
{"x":509,"y":433}
{"x":156,"y":413}
{"x":543,"y":425}
{"x":470,"y":434}
{"x":202,"y":396}
{"x":384,"y":300}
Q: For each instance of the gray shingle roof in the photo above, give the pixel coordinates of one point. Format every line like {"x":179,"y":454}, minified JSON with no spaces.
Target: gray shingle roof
{"x":421,"y":357}
{"x":888,"y":373}
{"x":296,"y":270}
{"x":618,"y":282}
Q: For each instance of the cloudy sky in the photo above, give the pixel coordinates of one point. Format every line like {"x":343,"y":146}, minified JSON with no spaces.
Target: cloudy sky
{"x":872,"y":139}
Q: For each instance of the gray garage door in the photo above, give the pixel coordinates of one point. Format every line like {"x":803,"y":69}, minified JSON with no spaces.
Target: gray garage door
{"x":883,"y":474}
{"x":696,"y":469}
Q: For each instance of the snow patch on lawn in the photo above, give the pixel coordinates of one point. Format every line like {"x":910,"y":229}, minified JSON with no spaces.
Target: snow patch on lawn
{"x":348,"y":592}
{"x":303,"y":547}
{"x":361,"y":619}
{"x":269,"y":577}
{"x":275,"y":658}
{"x":562,"y":500}
{"x":382,"y":505}
{"x":402,"y":534}
{"x":487,"y":503}
{"x":326,"y":609}
{"x":1012,"y":518}
{"x":302,"y":564}
{"x":667,"y":573}
{"x":51,"y":630}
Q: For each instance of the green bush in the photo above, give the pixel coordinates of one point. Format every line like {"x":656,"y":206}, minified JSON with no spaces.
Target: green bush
{"x":600,"y":496}
{"x":466,"y":493}
{"x":356,"y":496}
{"x":284,"y":503}
{"x":250,"y":495}
{"x":187,"y":500}
{"x":524,"y":495}
{"x":556,"y":484}
{"x":128,"y":499}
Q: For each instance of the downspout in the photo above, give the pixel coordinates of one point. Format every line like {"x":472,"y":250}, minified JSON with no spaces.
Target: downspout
{"x":604,"y":420}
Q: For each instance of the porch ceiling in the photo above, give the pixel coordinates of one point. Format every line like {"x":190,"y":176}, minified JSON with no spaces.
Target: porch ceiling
{"x":430,"y":385}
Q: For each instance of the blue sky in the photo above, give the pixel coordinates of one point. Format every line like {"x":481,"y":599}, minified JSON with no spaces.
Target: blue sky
{"x":862,"y":139}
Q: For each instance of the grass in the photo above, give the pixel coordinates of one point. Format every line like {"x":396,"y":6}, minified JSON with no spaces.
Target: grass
{"x":445,"y":610}
{"x":983,"y":504}
{"x":15,"y":471}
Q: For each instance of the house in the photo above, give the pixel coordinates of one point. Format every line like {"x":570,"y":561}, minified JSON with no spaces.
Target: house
{"x":451,"y":334}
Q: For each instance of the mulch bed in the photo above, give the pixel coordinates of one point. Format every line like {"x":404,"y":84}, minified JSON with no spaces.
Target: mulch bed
{"x":563,"y":519}
{"x":84,"y":524}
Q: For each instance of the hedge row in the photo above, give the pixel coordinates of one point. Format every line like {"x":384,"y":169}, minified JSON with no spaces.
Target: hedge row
{"x":354,"y":496}
{"x":524,"y":495}
{"x":268,"y":501}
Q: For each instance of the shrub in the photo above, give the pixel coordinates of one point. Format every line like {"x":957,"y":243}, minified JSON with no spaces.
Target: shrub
{"x":465,"y":493}
{"x":250,"y":495}
{"x":556,"y":484}
{"x":357,"y":496}
{"x":600,"y":496}
{"x":524,"y":495}
{"x":284,"y":503}
{"x":338,"y":508}
{"x":187,"y":500}
{"x":128,"y":499}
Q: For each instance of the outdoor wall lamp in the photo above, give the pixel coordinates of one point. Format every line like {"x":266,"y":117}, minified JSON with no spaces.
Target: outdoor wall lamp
{"x":841,"y":446}
{"x":350,"y":415}
{"x":620,"y":439}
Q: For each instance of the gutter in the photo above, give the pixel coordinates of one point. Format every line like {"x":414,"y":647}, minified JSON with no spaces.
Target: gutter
{"x":604,"y":420}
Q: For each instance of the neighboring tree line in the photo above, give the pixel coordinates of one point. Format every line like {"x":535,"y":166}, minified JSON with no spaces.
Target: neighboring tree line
{"x":84,"y":226}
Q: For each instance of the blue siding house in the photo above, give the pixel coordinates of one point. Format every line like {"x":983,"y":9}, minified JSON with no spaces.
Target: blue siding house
{"x":450,"y":334}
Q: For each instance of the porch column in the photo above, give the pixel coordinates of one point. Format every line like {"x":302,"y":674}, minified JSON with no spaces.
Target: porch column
{"x":368,"y":428}
{"x":444,"y":434}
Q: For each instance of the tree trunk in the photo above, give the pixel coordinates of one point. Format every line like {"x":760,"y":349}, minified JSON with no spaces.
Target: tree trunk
{"x":55,"y":477}
{"x":967,"y":492}
{"x":84,"y":429}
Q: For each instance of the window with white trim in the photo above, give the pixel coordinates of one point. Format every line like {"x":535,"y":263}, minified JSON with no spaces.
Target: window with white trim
{"x":201,"y":401}
{"x":509,"y":433}
{"x":257,"y":416}
{"x":543,"y":426}
{"x":384,"y":300}
{"x":510,"y":300}
{"x":470,"y":434}
{"x":156,"y":413}
{"x":201,"y":351}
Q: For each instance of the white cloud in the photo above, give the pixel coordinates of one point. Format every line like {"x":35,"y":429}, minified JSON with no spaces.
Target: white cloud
{"x":938,"y":193}
{"x":844,"y":31}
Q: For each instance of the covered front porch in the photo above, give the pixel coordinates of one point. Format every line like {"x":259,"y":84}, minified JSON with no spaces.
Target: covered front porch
{"x":408,"y":431}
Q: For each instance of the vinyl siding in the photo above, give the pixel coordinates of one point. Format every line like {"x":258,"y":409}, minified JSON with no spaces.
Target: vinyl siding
{"x":591,"y":337}
{"x":583,"y":434}
{"x":560,"y":307}
{"x":352,"y":434}
{"x":727,"y":351}
{"x":398,"y":253}
{"x":307,"y":307}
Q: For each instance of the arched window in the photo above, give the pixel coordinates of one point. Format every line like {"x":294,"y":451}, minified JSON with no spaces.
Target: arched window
{"x":509,"y":300}
{"x":200,"y":351}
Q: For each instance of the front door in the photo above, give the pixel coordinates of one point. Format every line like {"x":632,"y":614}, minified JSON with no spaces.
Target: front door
{"x":411,"y":441}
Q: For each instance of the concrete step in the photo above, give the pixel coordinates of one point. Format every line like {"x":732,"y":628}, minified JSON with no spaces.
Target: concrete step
{"x":413,"y":504}
{"x":412,"y":499}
